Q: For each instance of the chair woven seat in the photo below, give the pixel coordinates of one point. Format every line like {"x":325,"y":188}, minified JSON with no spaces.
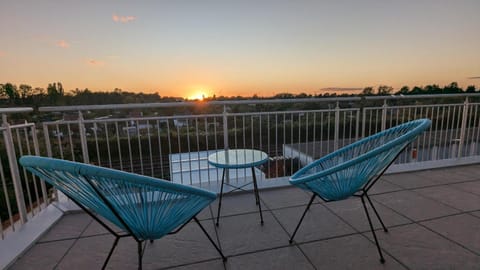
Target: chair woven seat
{"x":147,"y":208}
{"x":340,"y":174}
{"x":354,"y":169}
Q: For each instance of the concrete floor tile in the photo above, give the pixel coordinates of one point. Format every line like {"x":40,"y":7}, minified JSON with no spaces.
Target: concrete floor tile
{"x":453,"y":197}
{"x":91,"y":252}
{"x":189,"y":245}
{"x":413,"y":205}
{"x":418,"y":248}
{"x":472,"y":187}
{"x":70,"y":226}
{"x":243,"y":233}
{"x":352,"y":211}
{"x":284,"y":197}
{"x":210,"y":265}
{"x":449,"y":175}
{"x":234,"y":204}
{"x":282,"y":258}
{"x":318,"y":223}
{"x":383,"y":186}
{"x":463,"y":229}
{"x":43,"y":256}
{"x":349,"y":252}
{"x":409,"y":180}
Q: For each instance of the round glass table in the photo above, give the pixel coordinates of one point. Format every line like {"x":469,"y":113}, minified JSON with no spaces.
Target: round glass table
{"x":238,"y":159}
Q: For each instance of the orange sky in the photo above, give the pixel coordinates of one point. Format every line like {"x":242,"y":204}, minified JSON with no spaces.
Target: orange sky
{"x":190,"y":48}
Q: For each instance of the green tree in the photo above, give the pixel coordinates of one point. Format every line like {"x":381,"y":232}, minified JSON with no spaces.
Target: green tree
{"x":384,"y":90}
{"x":471,"y":89}
{"x":452,"y":88}
{"x":10,"y":91}
{"x":367,"y":91}
{"x":432,"y":89}
{"x":26,"y":91}
{"x":404,"y":90}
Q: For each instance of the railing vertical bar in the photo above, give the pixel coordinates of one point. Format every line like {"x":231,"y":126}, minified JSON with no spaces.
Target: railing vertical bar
{"x":336,"y":128}
{"x":25,"y":178}
{"x":70,"y":141}
{"x":180,"y":153}
{"x":169,"y":146}
{"x":160,"y":149}
{"x":314,"y":135}
{"x":119,"y":148}
{"x":95,"y":137}
{"x":36,"y":148}
{"x":12,"y":162}
{"x":129,"y":145}
{"x":59,"y":141}
{"x":276,"y":145}
{"x":35,"y":186}
{"x":198,"y":151}
{"x":107,"y":138}
{"x":207,"y":147}
{"x":140,"y":150}
{"x":7,"y":197}
{"x":463,"y":126}
{"x":150,"y":150}
{"x":216,"y":145}
{"x":83,"y":138}
{"x":48,"y":145}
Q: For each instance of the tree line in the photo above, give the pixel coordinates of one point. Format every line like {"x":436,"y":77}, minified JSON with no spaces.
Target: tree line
{"x":55,"y":95}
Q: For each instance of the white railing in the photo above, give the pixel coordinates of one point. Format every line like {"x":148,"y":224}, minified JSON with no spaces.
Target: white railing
{"x":23,"y":196}
{"x":175,"y":147}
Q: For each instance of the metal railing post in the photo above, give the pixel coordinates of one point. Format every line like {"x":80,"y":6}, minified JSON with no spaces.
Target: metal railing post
{"x":337,"y":126}
{"x":46,"y":136}
{"x":36,"y":148}
{"x":225,"y":139}
{"x":83,"y":138}
{"x":461,"y":143}
{"x":384,"y":115}
{"x":12,"y":161}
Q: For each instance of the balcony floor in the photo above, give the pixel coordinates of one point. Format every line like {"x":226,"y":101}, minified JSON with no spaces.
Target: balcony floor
{"x":433,"y":219}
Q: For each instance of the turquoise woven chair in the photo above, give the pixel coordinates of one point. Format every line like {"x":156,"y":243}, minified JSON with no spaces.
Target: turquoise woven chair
{"x":145,"y":208}
{"x":354,"y":169}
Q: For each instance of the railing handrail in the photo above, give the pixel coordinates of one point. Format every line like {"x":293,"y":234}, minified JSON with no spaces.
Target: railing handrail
{"x":243,"y":102}
{"x":16,"y":110}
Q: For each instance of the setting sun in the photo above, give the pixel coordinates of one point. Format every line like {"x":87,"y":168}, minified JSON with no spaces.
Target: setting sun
{"x":197,"y":96}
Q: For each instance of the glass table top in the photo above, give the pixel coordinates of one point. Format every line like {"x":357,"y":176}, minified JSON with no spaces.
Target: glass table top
{"x":237,"y":158}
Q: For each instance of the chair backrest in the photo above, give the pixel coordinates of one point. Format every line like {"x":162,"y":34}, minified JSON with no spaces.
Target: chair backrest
{"x":340,"y":174}
{"x":147,"y":207}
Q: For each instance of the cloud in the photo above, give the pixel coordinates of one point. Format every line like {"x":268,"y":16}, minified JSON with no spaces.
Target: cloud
{"x":474,"y":78}
{"x":95,"y":63}
{"x":342,"y":89}
{"x":62,"y":44}
{"x":122,"y":19}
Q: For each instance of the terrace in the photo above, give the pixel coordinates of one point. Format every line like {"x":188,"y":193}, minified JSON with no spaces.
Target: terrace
{"x":429,"y":199}
{"x":433,"y":218}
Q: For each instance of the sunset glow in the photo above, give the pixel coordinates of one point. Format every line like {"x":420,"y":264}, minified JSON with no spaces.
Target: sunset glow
{"x":239,"y":48}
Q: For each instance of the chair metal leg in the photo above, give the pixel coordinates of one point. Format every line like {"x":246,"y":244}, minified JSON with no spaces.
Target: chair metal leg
{"x":257,"y":197}
{"x":220,"y":199}
{"x":301,"y":219}
{"x":140,"y":254}
{"x":111,"y":252}
{"x":209,"y":238}
{"x":376,"y":213}
{"x":382,"y":260}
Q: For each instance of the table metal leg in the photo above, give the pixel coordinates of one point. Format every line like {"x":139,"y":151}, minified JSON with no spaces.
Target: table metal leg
{"x":221,"y":195}
{"x":257,"y":197}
